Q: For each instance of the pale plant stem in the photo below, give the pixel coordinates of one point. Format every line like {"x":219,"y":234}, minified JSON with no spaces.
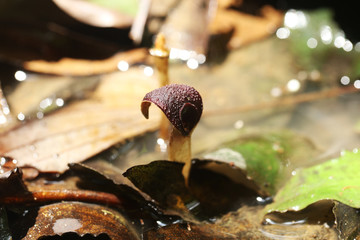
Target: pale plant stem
{"x":180,"y":151}
{"x":161,"y":57}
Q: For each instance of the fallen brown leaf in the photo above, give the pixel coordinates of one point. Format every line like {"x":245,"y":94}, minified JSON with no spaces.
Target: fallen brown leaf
{"x":85,"y":67}
{"x":83,"y":129}
{"x":247,"y":28}
{"x":80,"y":219}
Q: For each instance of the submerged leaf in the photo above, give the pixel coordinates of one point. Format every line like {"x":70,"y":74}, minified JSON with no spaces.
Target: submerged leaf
{"x":337,"y":179}
{"x":209,"y":194}
{"x":347,"y":221}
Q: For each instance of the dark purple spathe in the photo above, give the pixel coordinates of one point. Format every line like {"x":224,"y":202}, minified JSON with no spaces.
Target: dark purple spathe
{"x":181,"y":104}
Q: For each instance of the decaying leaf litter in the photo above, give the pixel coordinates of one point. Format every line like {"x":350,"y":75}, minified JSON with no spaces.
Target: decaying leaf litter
{"x":181,"y":209}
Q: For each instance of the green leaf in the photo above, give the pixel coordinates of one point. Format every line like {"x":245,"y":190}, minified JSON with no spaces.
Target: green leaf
{"x":129,"y":6}
{"x":337,"y":179}
{"x":267,"y":158}
{"x":312,"y":58}
{"x":322,"y":54}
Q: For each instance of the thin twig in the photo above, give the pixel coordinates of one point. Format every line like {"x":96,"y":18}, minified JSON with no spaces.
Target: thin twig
{"x":47,"y":196}
{"x":286,"y":101}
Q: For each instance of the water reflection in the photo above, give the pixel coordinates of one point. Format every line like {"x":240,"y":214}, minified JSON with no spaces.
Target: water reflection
{"x":295,"y":222}
{"x":312,"y":42}
{"x":293,"y":85}
{"x":148,"y":71}
{"x":39,"y":115}
{"x":345,"y":80}
{"x":5,"y":116}
{"x":357,"y":47}
{"x":326,"y":34}
{"x":348,"y":46}
{"x":59,"y":102}
{"x":357,"y":84}
{"x":192,"y":58}
{"x":239,"y":124}
{"x":339,"y":40}
{"x":162,"y":144}
{"x":20,"y":76}
{"x":192,"y":63}
{"x":66,"y":225}
{"x":283,"y":33}
{"x":6,"y":164}
{"x":47,"y":102}
{"x":295,"y":19}
{"x":21,"y":116}
{"x":123,"y":66}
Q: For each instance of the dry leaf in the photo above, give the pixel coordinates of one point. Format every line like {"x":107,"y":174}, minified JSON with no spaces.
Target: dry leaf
{"x":82,"y":219}
{"x":85,"y":128}
{"x":247,"y":28}
{"x":39,"y":88}
{"x":84,"y":67}
{"x":184,"y":32}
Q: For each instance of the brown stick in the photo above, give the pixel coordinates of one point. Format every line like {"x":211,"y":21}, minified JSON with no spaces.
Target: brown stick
{"x":286,"y":101}
{"x":47,"y":196}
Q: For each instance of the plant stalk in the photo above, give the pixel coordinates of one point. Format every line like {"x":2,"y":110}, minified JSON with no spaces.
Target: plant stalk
{"x":180,"y":151}
{"x":161,"y":56}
